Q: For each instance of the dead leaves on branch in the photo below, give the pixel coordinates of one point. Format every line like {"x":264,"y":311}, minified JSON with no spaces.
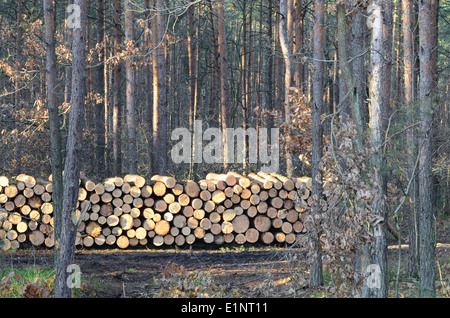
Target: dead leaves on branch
{"x":295,"y":137}
{"x":347,"y":225}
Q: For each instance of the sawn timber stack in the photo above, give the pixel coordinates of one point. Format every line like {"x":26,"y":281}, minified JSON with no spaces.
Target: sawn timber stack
{"x":131,"y":211}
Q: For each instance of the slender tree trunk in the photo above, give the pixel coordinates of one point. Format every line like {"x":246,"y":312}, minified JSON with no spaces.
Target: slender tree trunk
{"x":244,"y":80}
{"x":358,"y":47}
{"x":215,"y":55}
{"x":258,"y":86}
{"x":316,"y":275}
{"x":54,"y":120}
{"x":117,"y":78}
{"x":434,"y":72}
{"x":148,"y":84}
{"x":278,"y":66}
{"x":66,"y":246}
{"x":376,"y":136}
{"x":427,"y":240}
{"x":250,"y":64}
{"x":299,"y":67}
{"x":346,"y":72}
{"x":159,"y":91}
{"x":398,"y":38}
{"x":90,"y":110}
{"x":17,"y":83}
{"x":197,"y":98}
{"x":224,"y":88}
{"x":100,"y":100}
{"x":130,"y":93}
{"x":270,"y":54}
{"x":18,"y":60}
{"x":388,"y":58}
{"x":193,"y":81}
{"x":408,"y":61}
{"x":284,"y":41}
{"x":190,"y":36}
{"x":67,"y":69}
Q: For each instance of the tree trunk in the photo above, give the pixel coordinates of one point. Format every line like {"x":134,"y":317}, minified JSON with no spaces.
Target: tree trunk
{"x":130,"y":90}
{"x":224,"y":89}
{"x":426,"y":215}
{"x":17,"y":84}
{"x":408,"y":61}
{"x":299,"y":67}
{"x":388,"y":58}
{"x":148,"y":84}
{"x":284,"y":42}
{"x":117,"y":76}
{"x":159,"y":92}
{"x":269,"y":81}
{"x":68,"y":34}
{"x":100,"y":90}
{"x":346,"y":72}
{"x":316,"y":275}
{"x":66,"y":246}
{"x":55,"y":125}
{"x":358,"y":47}
{"x":193,"y":56}
{"x":376,"y":137}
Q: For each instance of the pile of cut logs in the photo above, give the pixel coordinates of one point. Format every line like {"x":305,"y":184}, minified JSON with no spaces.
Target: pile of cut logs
{"x":130,"y":211}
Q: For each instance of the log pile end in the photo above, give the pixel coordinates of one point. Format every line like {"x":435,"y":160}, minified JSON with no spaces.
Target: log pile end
{"x":132,"y":211}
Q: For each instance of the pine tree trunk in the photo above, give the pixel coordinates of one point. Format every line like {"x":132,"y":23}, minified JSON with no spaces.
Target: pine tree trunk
{"x":408,"y":59}
{"x":244,"y":80}
{"x":68,"y":34}
{"x":148,"y":84}
{"x":193,"y":79}
{"x":376,"y":138}
{"x":388,"y":58}
{"x":284,"y":42}
{"x":358,"y":47}
{"x":224,"y":87}
{"x":269,"y":80}
{"x":347,"y":73}
{"x":116,"y":78}
{"x":66,"y":246}
{"x":299,"y":67}
{"x":100,"y":89}
{"x":159,"y":91}
{"x":130,"y":89}
{"x":54,"y":120}
{"x":426,"y":212}
{"x":316,"y":275}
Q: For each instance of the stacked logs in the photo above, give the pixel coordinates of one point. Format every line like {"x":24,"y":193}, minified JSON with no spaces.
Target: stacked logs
{"x":130,"y":211}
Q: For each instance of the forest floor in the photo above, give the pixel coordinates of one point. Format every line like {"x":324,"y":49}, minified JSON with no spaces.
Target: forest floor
{"x":227,"y":271}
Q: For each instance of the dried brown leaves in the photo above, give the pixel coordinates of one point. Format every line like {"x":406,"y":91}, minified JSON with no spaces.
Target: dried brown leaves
{"x":296,"y":134}
{"x":347,"y":225}
{"x":38,"y":288}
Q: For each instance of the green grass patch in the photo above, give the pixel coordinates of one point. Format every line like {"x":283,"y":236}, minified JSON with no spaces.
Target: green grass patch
{"x":26,"y":282}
